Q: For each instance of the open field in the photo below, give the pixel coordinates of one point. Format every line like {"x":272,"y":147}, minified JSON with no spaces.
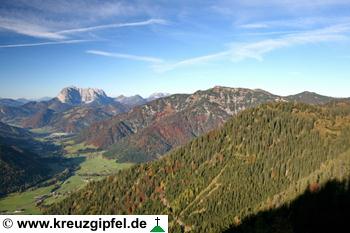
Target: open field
{"x":25,"y":202}
{"x":72,"y":148}
{"x":93,"y":166}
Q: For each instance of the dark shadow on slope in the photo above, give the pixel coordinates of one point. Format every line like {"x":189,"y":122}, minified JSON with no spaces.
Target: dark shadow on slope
{"x":317,"y":210}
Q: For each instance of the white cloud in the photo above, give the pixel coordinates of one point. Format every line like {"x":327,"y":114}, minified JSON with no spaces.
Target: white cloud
{"x":254,"y":25}
{"x":38,"y":31}
{"x":256,"y":50}
{"x":59,"y":20}
{"x":24,"y":28}
{"x":299,"y":3}
{"x":191,"y":61}
{"x":125,"y":56}
{"x":296,"y":23}
{"x":43,"y":43}
{"x":90,"y":10}
{"x":115,"y":25}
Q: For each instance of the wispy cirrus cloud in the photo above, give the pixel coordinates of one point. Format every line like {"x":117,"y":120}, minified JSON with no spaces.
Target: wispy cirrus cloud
{"x":256,"y":50}
{"x":254,"y":26}
{"x":296,"y":23}
{"x":88,"y":10}
{"x":115,"y":25}
{"x":25,"y":28}
{"x":241,"y":51}
{"x":37,"y":31}
{"x":70,"y":20}
{"x":43,"y":43}
{"x":125,"y":56}
{"x":163,"y":67}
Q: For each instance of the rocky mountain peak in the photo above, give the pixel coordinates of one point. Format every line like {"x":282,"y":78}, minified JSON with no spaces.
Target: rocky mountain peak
{"x":157,"y":95}
{"x":131,"y":101}
{"x":74,"y":95}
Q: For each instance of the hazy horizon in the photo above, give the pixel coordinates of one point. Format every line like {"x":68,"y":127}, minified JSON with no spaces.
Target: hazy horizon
{"x":155,"y":92}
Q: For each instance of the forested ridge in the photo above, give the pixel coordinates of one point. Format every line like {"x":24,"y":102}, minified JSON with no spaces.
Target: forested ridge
{"x":261,"y":159}
{"x":23,"y":159}
{"x":19,"y":169}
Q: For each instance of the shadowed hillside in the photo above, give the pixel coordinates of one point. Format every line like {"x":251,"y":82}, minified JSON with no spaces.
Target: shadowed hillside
{"x":325,"y":209}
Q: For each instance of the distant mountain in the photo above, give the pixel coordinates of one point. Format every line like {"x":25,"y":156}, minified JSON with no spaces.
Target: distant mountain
{"x":40,"y":119}
{"x":17,"y":114}
{"x":309,"y":98}
{"x":157,"y":95}
{"x":76,"y":96}
{"x":73,"y":109}
{"x":14,"y":114}
{"x":74,"y":119}
{"x":24,"y":100}
{"x":148,"y":131}
{"x":21,"y":101}
{"x":45,"y":98}
{"x":131,"y":101}
{"x":137,"y":100}
{"x":262,"y":159}
{"x":10,"y":102}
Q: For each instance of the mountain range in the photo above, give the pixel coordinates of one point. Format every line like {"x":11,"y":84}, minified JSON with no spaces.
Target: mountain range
{"x":260,"y":160}
{"x":146,"y":132}
{"x":72,"y":110}
{"x":137,"y":100}
{"x":134,"y":129}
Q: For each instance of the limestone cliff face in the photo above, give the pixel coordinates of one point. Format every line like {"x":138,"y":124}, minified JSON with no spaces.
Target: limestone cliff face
{"x":74,"y":95}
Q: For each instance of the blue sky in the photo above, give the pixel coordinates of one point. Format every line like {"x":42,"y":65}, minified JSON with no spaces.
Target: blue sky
{"x":141,"y":47}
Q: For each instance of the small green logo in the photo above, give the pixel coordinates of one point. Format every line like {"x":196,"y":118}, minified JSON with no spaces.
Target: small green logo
{"x":157,"y":228}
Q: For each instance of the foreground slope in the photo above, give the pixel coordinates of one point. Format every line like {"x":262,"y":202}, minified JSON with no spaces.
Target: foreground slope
{"x":319,"y":209}
{"x":261,"y":159}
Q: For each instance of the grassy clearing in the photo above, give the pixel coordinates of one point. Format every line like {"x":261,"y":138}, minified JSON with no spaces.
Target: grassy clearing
{"x":92,"y":166}
{"x":44,"y":130}
{"x":24,"y":201}
{"x":95,"y":167}
{"x":100,"y":165}
{"x":75,"y":148}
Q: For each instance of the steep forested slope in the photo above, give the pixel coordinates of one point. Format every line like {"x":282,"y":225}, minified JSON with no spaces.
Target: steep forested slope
{"x":259,"y":160}
{"x":19,"y":169}
{"x":23,"y":160}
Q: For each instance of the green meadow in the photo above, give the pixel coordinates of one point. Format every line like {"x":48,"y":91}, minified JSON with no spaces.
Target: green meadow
{"x":93,"y":167}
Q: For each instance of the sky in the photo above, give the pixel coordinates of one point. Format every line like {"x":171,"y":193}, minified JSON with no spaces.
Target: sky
{"x":143,"y":46}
